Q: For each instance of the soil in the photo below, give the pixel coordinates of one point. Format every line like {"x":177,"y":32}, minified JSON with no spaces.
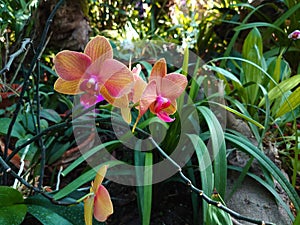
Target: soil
{"x":171,"y":205}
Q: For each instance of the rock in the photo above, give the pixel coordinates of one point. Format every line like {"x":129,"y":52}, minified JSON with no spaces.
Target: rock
{"x":254,"y":201}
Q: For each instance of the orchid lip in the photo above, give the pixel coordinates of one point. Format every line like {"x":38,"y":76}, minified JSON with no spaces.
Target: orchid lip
{"x":161,"y":103}
{"x":90,"y":85}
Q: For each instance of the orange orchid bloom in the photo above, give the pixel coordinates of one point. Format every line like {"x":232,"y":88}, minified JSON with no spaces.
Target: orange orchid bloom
{"x":161,"y":92}
{"x":92,"y":73}
{"x":100,"y":202}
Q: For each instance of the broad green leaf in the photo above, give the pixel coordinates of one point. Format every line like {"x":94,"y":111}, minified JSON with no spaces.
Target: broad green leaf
{"x":252,"y":51}
{"x":281,"y":88}
{"x":18,"y":130}
{"x":49,"y":213}
{"x":274,"y":70}
{"x":46,"y":216}
{"x":12,"y":207}
{"x":57,"y":151}
{"x":292,"y":102}
{"x":51,"y":115}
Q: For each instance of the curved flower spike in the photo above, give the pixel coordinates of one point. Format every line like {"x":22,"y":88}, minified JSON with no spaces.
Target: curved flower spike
{"x":294,"y":35}
{"x":92,"y":72}
{"x":161,"y":92}
{"x":99,"y":202}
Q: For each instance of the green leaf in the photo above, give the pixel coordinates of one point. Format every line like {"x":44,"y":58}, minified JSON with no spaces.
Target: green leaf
{"x":46,"y":216}
{"x":241,"y":115}
{"x":257,"y":24}
{"x":279,"y":69}
{"x":50,"y":214}
{"x":185,"y":64}
{"x":225,"y":73}
{"x":281,"y":88}
{"x":17,"y":131}
{"x":291,"y":103}
{"x":147,"y":204}
{"x":88,"y":154}
{"x":252,"y":51}
{"x":214,"y":215}
{"x":297,"y":220}
{"x":57,"y":151}
{"x":205,"y":167}
{"x":83,"y":179}
{"x":143,"y":168}
{"x":12,"y":207}
{"x":218,"y":149}
{"x":51,"y":115}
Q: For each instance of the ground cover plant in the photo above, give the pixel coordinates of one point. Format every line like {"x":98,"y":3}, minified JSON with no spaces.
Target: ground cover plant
{"x":139,"y":112}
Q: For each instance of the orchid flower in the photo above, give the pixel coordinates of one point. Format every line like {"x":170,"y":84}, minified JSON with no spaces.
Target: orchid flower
{"x":98,"y":201}
{"x":132,"y":98}
{"x":294,"y":35}
{"x":94,"y":73}
{"x":161,"y":92}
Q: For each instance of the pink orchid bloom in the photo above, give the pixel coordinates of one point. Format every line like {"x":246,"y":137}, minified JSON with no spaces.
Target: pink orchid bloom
{"x":100,"y":202}
{"x":126,"y":101}
{"x":161,"y":92}
{"x":294,"y":35}
{"x":92,"y":73}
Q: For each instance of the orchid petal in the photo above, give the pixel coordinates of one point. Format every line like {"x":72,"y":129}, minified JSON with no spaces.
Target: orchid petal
{"x":117,"y":102}
{"x":149,"y":96}
{"x":99,"y":177}
{"x":165,"y":117}
{"x":88,"y":210}
{"x":117,"y":78}
{"x":99,"y":49}
{"x":67,"y":87}
{"x":159,"y":70}
{"x":126,"y":114}
{"x":102,"y":204}
{"x":171,"y":109}
{"x":71,"y":65}
{"x":173,"y":85}
{"x":138,"y":89}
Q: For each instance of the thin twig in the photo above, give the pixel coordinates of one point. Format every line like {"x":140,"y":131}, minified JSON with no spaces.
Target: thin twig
{"x":38,"y":119}
{"x":13,"y":56}
{"x":26,"y":78}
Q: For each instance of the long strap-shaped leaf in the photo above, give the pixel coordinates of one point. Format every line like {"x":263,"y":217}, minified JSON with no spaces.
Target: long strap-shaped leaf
{"x":265,"y":162}
{"x":218,"y":149}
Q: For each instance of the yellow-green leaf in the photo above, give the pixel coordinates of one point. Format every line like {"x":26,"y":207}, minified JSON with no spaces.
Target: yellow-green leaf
{"x":290,"y":104}
{"x":281,"y":88}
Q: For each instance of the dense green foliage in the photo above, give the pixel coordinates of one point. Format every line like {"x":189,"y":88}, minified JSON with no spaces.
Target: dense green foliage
{"x":238,"y":59}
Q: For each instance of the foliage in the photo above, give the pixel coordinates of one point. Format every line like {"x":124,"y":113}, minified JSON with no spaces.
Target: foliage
{"x":254,"y":59}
